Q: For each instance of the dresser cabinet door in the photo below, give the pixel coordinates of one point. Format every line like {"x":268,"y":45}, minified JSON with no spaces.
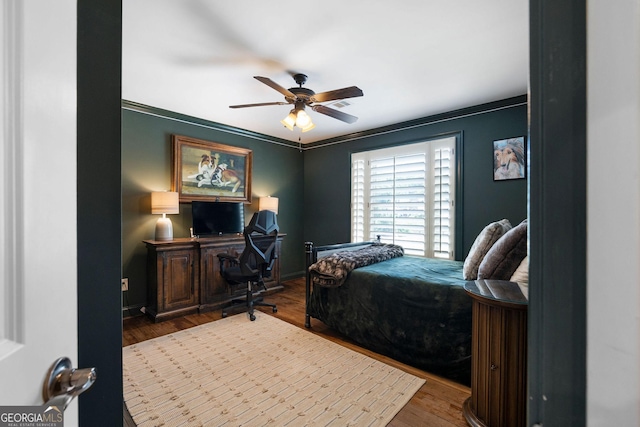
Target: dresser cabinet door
{"x":178,"y":282}
{"x":214,"y":288}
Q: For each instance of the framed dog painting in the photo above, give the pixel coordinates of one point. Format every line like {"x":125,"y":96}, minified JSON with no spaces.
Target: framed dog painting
{"x":208,"y":171}
{"x":509,"y":159}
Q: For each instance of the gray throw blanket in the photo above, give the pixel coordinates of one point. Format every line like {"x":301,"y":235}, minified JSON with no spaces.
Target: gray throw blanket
{"x":331,"y":271}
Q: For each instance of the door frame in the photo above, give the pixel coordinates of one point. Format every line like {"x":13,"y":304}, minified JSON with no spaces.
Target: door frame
{"x":99,"y":69}
{"x":557,"y":212}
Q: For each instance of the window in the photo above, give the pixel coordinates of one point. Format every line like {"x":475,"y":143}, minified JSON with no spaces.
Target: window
{"x":405,"y":195}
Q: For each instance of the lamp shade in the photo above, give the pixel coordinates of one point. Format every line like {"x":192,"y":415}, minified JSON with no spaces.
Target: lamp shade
{"x":165,"y":202}
{"x":268,"y":204}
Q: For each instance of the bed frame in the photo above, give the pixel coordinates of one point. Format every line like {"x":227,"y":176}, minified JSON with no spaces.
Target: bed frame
{"x":312,"y":254}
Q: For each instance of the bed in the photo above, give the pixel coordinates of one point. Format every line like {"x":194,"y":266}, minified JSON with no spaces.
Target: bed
{"x":412,"y":309}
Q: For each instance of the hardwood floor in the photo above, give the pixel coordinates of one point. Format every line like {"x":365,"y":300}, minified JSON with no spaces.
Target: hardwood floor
{"x":438,"y":403}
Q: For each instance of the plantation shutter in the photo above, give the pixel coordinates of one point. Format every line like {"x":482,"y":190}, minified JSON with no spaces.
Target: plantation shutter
{"x":397,"y":201}
{"x":403,"y":194}
{"x":357,"y":200}
{"x":442,"y":232}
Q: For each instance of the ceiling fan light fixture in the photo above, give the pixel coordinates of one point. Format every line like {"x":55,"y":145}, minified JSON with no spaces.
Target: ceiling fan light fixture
{"x":290,"y":121}
{"x":303,"y":97}
{"x":302,"y":119}
{"x":308,"y":127}
{"x":298,"y":117}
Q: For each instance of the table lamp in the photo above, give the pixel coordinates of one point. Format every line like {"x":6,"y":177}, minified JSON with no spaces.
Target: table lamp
{"x":164,"y":202}
{"x":268,"y":204}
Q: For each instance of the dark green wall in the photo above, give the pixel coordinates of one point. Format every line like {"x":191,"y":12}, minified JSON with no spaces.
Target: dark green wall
{"x":327,"y":171}
{"x":146,"y":167}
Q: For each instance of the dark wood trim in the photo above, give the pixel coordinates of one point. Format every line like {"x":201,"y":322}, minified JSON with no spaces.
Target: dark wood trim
{"x":557,"y":213}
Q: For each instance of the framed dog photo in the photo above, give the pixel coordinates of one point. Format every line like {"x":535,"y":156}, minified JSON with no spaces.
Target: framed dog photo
{"x":509,"y":159}
{"x":208,"y":171}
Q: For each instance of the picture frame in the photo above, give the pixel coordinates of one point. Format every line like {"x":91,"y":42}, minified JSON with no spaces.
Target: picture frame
{"x":509,"y":159}
{"x":208,"y":171}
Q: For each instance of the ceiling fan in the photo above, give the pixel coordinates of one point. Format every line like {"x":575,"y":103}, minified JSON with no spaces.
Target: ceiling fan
{"x":302,"y":97}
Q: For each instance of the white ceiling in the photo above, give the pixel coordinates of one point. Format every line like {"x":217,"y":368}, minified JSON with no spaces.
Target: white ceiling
{"x":412,"y":58}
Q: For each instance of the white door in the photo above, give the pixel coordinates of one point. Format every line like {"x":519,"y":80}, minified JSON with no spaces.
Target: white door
{"x":38,"y":302}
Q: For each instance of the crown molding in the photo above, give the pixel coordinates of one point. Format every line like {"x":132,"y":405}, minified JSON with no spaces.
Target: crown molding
{"x":183,"y":118}
{"x":424,"y":121}
{"x":515,"y":101}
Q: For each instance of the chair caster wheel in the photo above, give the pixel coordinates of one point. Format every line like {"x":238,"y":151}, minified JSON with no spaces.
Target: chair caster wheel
{"x":252,"y":317}
{"x":274,"y":309}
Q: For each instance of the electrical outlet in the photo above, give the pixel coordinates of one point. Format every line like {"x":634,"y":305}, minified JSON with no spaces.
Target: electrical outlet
{"x":125,"y":284}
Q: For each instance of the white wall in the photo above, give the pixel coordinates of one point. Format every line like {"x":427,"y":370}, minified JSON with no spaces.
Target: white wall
{"x":613,"y":213}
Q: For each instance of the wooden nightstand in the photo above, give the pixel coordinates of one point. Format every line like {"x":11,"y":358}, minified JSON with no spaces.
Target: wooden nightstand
{"x":498,"y":355}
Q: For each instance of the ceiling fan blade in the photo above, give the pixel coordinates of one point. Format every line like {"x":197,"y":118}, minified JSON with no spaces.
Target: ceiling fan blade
{"x":260,"y":104}
{"x":275,"y":86}
{"x":347,"y":118}
{"x":347,"y":92}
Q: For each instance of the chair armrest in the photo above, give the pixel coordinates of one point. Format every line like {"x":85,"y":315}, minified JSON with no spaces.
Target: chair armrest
{"x":229,"y":257}
{"x":227,"y":260}
{"x":268,"y":268}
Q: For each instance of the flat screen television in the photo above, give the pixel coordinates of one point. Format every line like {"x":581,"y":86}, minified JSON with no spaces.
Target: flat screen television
{"x":216,"y":218}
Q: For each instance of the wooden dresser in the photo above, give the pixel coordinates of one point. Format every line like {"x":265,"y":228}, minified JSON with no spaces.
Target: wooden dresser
{"x":498,"y":355}
{"x":183,"y":275}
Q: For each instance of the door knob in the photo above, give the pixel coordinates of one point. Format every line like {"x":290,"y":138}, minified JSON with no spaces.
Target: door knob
{"x":63,"y":383}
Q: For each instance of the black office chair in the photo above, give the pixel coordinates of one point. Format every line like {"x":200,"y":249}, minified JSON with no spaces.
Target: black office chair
{"x":255,"y":263}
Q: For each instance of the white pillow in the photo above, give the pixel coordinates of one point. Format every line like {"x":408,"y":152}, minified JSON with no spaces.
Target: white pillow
{"x":487,"y":237}
{"x":521,"y":276}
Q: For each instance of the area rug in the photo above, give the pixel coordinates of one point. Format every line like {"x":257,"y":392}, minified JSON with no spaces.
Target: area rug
{"x":234,"y":372}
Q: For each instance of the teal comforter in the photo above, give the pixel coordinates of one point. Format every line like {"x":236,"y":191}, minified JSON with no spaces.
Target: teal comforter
{"x":412,"y":309}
